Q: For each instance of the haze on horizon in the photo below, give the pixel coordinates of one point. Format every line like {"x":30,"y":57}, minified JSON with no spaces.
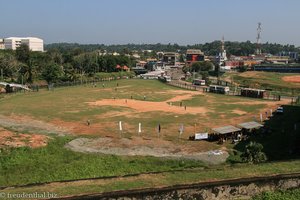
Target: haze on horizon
{"x":155,"y":21}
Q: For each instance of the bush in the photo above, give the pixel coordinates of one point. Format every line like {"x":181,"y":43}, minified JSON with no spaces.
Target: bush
{"x":253,"y":153}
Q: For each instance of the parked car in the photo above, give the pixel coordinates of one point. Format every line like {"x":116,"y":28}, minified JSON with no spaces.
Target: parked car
{"x":279,"y":110}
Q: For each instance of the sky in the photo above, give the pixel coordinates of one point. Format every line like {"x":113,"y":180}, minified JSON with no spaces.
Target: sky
{"x":151,"y":21}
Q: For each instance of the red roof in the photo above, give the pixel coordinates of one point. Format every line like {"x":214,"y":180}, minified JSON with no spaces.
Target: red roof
{"x":118,"y":67}
{"x":125,"y":67}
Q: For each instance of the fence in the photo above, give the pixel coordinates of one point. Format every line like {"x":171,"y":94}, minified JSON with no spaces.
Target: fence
{"x":186,"y":86}
{"x":73,"y":83}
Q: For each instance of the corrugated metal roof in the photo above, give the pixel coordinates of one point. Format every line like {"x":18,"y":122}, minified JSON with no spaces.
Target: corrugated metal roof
{"x":226,"y":129}
{"x":250,"y":125}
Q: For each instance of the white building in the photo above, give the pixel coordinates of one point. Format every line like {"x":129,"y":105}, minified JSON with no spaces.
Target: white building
{"x":34,"y":44}
{"x":1,"y":43}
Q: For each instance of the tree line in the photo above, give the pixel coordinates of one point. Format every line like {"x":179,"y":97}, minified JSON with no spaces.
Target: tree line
{"x":25,"y":66}
{"x":210,"y":49}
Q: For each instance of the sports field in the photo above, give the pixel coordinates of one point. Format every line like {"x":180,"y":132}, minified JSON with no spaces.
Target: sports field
{"x":278,"y":83}
{"x":57,"y":122}
{"x":69,"y":109}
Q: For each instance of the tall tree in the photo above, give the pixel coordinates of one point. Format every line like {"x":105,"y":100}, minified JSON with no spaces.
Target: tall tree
{"x":52,"y":73}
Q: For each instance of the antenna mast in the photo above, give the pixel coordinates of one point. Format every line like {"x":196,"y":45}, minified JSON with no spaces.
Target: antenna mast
{"x":258,"y":40}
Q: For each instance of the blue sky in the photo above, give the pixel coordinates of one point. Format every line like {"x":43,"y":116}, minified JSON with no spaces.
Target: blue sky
{"x":151,"y":21}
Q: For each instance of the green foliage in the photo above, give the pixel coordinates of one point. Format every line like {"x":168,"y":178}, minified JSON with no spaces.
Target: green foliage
{"x":253,"y":153}
{"x":201,"y":66}
{"x":23,"y":53}
{"x":211,"y":49}
{"x":52,"y":72}
{"x":293,"y":194}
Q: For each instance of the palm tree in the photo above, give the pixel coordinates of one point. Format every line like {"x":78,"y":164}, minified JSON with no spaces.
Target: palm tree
{"x":253,"y":153}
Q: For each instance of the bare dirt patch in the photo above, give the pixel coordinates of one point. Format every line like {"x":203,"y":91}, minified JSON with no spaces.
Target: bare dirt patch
{"x":10,"y":139}
{"x":291,"y":79}
{"x":27,"y":124}
{"x":239,"y":112}
{"x":148,"y":106}
{"x":138,"y":146}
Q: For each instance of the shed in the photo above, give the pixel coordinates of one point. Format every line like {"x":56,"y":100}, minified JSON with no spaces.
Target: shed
{"x":226,"y":130}
{"x":250,"y":125}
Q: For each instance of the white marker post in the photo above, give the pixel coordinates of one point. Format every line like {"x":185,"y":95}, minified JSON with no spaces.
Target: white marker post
{"x":140,"y":129}
{"x":181,"y":129}
{"x":271,"y":113}
{"x":261,"y":118}
{"x":120,"y":127}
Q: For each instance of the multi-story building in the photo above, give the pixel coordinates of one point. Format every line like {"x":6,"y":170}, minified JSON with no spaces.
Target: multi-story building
{"x":34,"y":44}
{"x":170,"y":58}
{"x":194,"y":55}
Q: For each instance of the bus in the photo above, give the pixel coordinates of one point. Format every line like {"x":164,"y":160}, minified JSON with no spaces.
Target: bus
{"x":219,"y":89}
{"x":198,"y":82}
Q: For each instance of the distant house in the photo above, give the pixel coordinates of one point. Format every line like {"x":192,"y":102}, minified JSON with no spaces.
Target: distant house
{"x":122,"y":68}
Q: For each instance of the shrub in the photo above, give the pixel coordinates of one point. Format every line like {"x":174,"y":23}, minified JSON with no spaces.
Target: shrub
{"x":253,"y":153}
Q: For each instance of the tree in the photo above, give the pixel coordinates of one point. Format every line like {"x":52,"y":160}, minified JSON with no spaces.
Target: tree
{"x":23,"y":54}
{"x":253,"y":153}
{"x":8,"y":65}
{"x":201,"y":66}
{"x":52,"y":73}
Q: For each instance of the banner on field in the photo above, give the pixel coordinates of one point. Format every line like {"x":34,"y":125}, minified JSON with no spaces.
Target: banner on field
{"x":201,"y":136}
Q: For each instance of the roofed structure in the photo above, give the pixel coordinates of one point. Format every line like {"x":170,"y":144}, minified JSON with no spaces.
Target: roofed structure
{"x":250,"y":125}
{"x":226,"y":129}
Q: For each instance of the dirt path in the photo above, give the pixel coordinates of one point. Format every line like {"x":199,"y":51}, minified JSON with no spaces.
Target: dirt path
{"x":26,"y":124}
{"x":138,"y":146}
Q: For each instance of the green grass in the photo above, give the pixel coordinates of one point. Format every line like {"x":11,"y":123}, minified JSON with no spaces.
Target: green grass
{"x":63,"y":102}
{"x":267,"y":80}
{"x":54,"y":162}
{"x":293,"y":194}
{"x":166,"y":178}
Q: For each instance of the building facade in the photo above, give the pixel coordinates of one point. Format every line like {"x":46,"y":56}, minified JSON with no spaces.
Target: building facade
{"x":194,"y":55}
{"x":34,"y":44}
{"x":1,"y":43}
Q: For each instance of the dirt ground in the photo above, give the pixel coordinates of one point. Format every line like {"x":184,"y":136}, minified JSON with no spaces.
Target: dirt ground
{"x":139,"y":146}
{"x":147,"y":106}
{"x":26,"y":123}
{"x":10,"y":139}
{"x":291,"y":79}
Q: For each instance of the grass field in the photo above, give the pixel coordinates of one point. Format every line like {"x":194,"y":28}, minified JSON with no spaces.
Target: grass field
{"x":21,"y":166}
{"x":163,"y":179}
{"x":265,"y":80}
{"x":132,"y":101}
{"x":70,"y":105}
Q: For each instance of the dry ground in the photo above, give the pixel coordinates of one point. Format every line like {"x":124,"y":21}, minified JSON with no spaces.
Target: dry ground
{"x":10,"y":139}
{"x":291,"y":79}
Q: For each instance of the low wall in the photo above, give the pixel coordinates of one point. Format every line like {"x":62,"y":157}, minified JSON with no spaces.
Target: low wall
{"x":229,"y":189}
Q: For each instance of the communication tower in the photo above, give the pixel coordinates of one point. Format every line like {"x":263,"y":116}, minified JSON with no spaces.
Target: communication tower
{"x":258,"y":39}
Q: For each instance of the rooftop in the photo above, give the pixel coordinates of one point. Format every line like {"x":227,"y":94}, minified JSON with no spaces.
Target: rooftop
{"x":250,"y":125}
{"x":226,"y":129}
